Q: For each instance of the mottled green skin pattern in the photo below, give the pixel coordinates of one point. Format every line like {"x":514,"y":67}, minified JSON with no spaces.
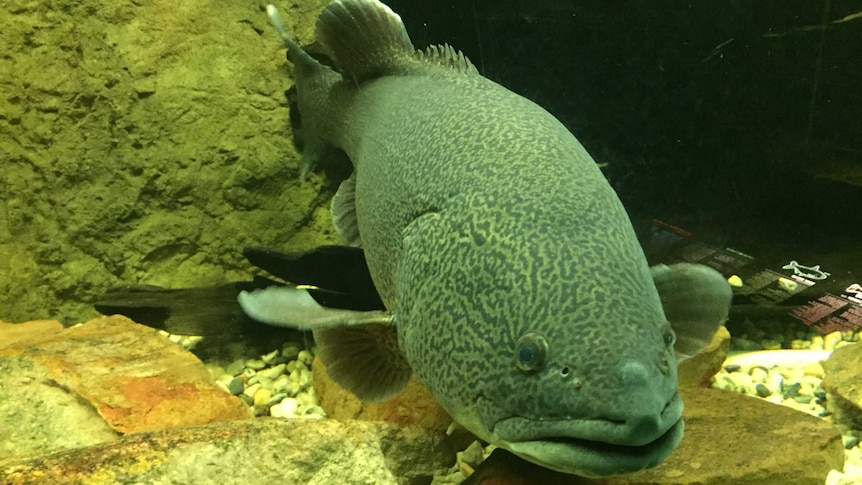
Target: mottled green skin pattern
{"x":483,"y":218}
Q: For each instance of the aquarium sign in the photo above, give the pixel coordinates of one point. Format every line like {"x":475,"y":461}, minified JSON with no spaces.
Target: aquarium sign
{"x":854,"y":293}
{"x":810,"y":272}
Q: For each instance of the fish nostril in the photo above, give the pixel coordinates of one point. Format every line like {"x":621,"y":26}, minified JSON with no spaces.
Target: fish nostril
{"x":634,"y":373}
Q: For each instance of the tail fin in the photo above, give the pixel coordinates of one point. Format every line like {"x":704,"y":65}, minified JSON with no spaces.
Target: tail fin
{"x":365,"y":38}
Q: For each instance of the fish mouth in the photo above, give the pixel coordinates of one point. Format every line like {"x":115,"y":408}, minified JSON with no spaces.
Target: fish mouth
{"x":596,"y":459}
{"x":593,"y":448}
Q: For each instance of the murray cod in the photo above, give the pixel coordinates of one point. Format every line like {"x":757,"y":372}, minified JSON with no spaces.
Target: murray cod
{"x":513,"y":283}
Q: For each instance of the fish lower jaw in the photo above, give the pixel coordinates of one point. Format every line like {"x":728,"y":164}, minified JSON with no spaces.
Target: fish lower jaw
{"x":595,"y":459}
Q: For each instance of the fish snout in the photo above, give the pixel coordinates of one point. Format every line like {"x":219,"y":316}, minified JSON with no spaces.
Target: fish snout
{"x":651,"y":406}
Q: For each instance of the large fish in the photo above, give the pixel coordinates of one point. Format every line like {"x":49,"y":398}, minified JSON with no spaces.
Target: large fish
{"x":513,"y":282}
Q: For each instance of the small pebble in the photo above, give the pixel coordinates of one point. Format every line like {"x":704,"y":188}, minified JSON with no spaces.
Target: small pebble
{"x":770,"y":344}
{"x":262,"y":397}
{"x":306,"y":399}
{"x":255,"y":364}
{"x":816,"y":343}
{"x":759,"y":374}
{"x":800,"y":344}
{"x":313,"y":411}
{"x":745,"y":344}
{"x":849,"y":441}
{"x":235,"y":386}
{"x":270,"y":357}
{"x":305,"y":357}
{"x":286,"y":408}
{"x":290,"y":350}
{"x":264,"y":381}
{"x":762,"y":390}
{"x":304,"y":378}
{"x":235,"y":367}
{"x":277,"y":398}
{"x":250,"y":390}
{"x":831,"y":340}
{"x":815,"y":370}
{"x":246,"y":399}
{"x":791,"y":391}
{"x":272,"y":372}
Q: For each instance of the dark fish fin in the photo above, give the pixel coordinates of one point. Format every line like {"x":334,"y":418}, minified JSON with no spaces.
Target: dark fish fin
{"x":210,"y":312}
{"x":289,"y":306}
{"x":364,"y":38}
{"x":696,"y":301}
{"x":343,"y":210}
{"x":340,"y":269}
{"x":188,"y":311}
{"x":364,"y":359}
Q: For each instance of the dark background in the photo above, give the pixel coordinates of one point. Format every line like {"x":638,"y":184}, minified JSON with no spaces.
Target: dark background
{"x":738,"y":120}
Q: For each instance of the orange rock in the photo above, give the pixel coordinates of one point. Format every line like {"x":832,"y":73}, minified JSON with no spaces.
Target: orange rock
{"x":135,"y":378}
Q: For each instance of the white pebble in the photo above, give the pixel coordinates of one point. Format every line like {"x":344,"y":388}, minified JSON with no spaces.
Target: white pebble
{"x":775,"y":381}
{"x":759,"y":374}
{"x":285,"y":409}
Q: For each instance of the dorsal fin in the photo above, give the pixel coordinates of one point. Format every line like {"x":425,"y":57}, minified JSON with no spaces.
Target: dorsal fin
{"x":365,"y":38}
{"x":446,"y":56}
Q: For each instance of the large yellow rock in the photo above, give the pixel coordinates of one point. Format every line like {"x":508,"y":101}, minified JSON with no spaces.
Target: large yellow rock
{"x":698,"y":370}
{"x":730,"y":439}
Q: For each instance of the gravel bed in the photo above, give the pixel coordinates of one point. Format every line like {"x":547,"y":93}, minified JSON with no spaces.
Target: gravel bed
{"x":795,"y":383}
{"x":279,"y":384}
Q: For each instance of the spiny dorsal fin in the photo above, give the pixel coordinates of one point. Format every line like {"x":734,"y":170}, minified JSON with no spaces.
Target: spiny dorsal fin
{"x":445,"y":55}
{"x":365,"y":38}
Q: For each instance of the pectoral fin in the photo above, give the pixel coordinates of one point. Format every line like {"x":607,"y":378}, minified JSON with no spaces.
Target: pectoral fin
{"x":289,"y":306}
{"x":696,"y":301}
{"x":359,"y":348}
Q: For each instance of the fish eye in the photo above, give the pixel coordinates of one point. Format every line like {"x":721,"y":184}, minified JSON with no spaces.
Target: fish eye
{"x":669,"y":337}
{"x":530,"y":352}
